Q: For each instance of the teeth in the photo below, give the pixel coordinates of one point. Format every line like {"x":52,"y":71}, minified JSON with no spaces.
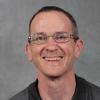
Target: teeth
{"x":53,"y":58}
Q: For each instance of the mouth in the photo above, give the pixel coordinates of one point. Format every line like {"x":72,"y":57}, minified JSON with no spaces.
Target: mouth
{"x":52,"y":58}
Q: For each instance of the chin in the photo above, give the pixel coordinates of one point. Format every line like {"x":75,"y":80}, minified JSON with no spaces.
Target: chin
{"x":54,"y":75}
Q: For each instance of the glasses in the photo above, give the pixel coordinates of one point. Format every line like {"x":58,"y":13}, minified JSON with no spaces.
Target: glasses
{"x":58,"y":37}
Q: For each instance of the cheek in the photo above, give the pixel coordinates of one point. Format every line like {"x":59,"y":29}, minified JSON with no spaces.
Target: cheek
{"x":70,"y":54}
{"x":69,"y":50}
{"x":35,"y":57}
{"x":36,"y":53}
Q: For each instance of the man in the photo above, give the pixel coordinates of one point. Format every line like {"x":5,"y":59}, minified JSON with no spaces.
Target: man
{"x":53,"y":46}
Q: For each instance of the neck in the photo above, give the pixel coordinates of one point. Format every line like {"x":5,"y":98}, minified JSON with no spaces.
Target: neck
{"x":59,"y":88}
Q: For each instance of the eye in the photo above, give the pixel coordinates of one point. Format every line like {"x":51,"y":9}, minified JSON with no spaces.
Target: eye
{"x":61,"y":36}
{"x":39,"y":37}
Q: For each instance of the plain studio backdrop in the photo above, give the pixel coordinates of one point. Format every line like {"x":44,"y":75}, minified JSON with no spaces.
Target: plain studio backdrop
{"x":16,"y":72}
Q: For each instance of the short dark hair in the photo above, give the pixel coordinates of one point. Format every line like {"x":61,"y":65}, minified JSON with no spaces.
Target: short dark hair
{"x":54,"y":8}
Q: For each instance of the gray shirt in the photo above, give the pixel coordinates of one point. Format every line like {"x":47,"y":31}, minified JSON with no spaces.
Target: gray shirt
{"x":84,"y":91}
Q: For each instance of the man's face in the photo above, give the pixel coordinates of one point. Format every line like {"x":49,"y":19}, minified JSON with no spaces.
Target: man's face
{"x":51,"y":58}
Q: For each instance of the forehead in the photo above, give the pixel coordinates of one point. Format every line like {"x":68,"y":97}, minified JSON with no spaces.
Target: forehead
{"x":51,"y":21}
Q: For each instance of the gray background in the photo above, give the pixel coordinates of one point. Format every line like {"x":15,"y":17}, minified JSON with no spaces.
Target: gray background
{"x":16,"y":72}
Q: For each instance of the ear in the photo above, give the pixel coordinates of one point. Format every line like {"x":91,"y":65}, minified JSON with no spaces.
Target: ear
{"x":28,"y":51}
{"x":78,"y":47}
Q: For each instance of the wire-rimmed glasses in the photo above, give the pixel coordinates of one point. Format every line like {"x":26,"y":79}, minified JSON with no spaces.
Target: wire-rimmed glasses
{"x":58,"y":37}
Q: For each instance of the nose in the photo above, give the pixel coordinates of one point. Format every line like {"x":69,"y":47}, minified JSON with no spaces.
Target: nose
{"x":51,"y":49}
{"x":52,"y":46}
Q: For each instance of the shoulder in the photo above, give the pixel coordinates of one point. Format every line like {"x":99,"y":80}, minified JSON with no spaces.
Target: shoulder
{"x":27,"y":92}
{"x":23,"y":95}
{"x":94,"y":88}
{"x":95,"y":91}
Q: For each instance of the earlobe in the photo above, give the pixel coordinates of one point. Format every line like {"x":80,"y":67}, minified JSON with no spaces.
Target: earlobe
{"x":28,"y":52}
{"x":79,"y":47}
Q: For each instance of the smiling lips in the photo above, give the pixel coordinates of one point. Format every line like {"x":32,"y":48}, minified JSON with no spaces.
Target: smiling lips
{"x":52,"y":58}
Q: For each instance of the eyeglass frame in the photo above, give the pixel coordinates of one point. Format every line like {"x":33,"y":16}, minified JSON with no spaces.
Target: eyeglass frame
{"x":71,"y":36}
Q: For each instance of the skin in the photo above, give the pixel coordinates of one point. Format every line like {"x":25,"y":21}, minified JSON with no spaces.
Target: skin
{"x":54,"y":74}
